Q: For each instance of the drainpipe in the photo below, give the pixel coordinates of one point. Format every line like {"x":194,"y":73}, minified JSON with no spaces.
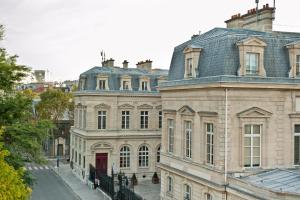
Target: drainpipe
{"x":226,"y":135}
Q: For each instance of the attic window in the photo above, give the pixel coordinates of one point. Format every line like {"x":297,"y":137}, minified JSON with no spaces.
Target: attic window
{"x":102,"y":84}
{"x":191,"y":57}
{"x":125,"y":85}
{"x":251,"y":53}
{"x":252,"y":63}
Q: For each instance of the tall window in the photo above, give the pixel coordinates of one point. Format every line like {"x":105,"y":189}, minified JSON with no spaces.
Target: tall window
{"x":102,"y":84}
{"x":252,"y":145}
{"x":189,"y":67}
{"x":143,"y":156}
{"x":125,"y":85}
{"x":188,"y":138}
{"x":125,"y":157}
{"x":170,"y":184}
{"x":72,"y":154}
{"x":187,"y":192}
{"x":125,"y":119}
{"x":297,"y":145}
{"x":210,"y":143}
{"x":144,"y":85}
{"x":158,"y":154}
{"x":159,"y":119}
{"x":101,"y":119}
{"x":252,"y":63}
{"x":79,"y":159}
{"x":297,"y":104}
{"x":84,"y":119}
{"x":208,"y":196}
{"x":170,"y":135}
{"x":144,"y":119}
{"x":75,"y":156}
{"x":80,"y":118}
{"x":298,"y":65}
{"x":83,"y":162}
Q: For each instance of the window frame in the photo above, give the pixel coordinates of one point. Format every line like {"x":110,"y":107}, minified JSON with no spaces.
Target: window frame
{"x":125,"y":119}
{"x":171,"y":134}
{"x":248,"y":66}
{"x":188,"y":132}
{"x":297,"y":65}
{"x":143,"y":156}
{"x":170,"y":184}
{"x":209,"y":130}
{"x":102,"y":84}
{"x":160,"y":119}
{"x":252,"y":136}
{"x":158,"y":149}
{"x":187,"y":190}
{"x":144,"y":85}
{"x":102,"y":119}
{"x":144,"y":119}
{"x":124,"y":157}
{"x":296,"y":134}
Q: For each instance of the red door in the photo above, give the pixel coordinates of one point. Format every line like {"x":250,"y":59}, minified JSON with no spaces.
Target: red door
{"x":101,"y":163}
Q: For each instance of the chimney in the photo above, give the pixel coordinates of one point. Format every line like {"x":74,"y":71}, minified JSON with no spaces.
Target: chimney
{"x":108,"y":63}
{"x":125,"y":64}
{"x":147,"y":65}
{"x":263,"y":21}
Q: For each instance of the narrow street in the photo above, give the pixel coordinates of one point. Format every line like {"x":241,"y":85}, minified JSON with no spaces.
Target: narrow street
{"x":48,"y":185}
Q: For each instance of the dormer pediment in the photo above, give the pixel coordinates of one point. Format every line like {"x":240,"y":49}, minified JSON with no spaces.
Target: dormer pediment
{"x":192,"y":48}
{"x":293,"y":45}
{"x":126,"y":106}
{"x":145,"y":106}
{"x":102,"y":106}
{"x":101,"y":145}
{"x":252,"y":41}
{"x":254,"y":112}
{"x":186,"y":110}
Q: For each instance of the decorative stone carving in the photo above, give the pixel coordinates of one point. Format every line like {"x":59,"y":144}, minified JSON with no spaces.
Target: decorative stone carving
{"x":102,"y":106}
{"x":254,"y":112}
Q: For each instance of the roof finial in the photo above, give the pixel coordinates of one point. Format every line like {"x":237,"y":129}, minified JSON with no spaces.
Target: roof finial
{"x":256,"y":1}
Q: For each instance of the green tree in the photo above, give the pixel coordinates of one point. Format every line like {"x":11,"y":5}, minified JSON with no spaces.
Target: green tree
{"x":55,"y":104}
{"x":10,"y":72}
{"x":22,"y":134}
{"x":11,"y":184}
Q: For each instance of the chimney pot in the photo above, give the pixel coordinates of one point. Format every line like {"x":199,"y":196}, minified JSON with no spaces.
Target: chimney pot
{"x":125,"y":64}
{"x":267,"y":5}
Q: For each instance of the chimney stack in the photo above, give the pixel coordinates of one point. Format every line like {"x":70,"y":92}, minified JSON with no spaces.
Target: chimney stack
{"x":260,"y":20}
{"x":125,"y":64}
{"x":147,"y":65}
{"x":108,"y":63}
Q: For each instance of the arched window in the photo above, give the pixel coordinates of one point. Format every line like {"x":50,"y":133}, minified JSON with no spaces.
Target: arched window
{"x":125,"y":157}
{"x":158,"y":154}
{"x":187,"y":192}
{"x":143,"y":156}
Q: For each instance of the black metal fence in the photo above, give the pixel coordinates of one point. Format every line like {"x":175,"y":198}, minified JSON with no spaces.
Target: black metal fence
{"x":124,"y":190}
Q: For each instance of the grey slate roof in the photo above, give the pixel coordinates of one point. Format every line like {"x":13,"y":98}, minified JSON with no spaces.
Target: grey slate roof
{"x":220,"y":55}
{"x":114,"y":77}
{"x":277,"y":180}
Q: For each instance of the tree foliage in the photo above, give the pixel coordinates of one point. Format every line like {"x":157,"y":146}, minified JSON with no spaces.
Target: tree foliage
{"x":55,"y":104}
{"x":21,"y":134}
{"x":11,"y":184}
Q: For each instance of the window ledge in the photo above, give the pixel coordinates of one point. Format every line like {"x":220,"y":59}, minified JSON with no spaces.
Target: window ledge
{"x":294,"y":115}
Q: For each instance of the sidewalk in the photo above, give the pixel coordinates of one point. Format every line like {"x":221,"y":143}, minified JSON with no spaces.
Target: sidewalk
{"x":78,"y":187}
{"x":148,"y":190}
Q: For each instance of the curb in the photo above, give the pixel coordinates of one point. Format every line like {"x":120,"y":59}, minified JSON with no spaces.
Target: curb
{"x":66,"y":184}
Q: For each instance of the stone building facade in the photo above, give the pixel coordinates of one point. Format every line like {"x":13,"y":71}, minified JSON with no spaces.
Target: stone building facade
{"x":118,"y":120}
{"x":231,"y":115}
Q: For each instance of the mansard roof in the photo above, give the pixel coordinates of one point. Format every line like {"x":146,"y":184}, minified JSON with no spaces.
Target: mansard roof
{"x":220,"y":54}
{"x":115,"y":74}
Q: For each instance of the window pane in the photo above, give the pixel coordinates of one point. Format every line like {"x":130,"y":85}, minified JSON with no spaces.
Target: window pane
{"x":256,"y":141}
{"x":256,"y":161}
{"x":247,"y":141}
{"x":247,"y":152}
{"x":256,"y":151}
{"x":298,"y":104}
{"x":297,"y":128}
{"x":248,"y":129}
{"x":256,"y":129}
{"x":297,"y":150}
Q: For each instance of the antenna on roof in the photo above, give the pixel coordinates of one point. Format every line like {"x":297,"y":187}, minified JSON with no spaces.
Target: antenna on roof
{"x":256,"y":1}
{"x":102,"y":55}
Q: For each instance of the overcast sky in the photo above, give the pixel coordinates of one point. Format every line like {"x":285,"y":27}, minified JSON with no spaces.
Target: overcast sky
{"x":67,"y":36}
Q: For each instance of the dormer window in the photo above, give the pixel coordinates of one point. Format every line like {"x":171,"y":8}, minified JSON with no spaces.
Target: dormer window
{"x":294,"y":56}
{"x":251,"y":52}
{"x":191,"y":54}
{"x":144,"y":84}
{"x":125,"y":85}
{"x":189,"y":67}
{"x":252,"y":60}
{"x":102,"y":82}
